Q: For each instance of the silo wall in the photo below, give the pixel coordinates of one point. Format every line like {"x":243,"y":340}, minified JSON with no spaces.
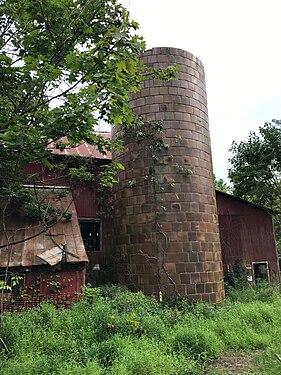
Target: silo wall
{"x":166,"y":227}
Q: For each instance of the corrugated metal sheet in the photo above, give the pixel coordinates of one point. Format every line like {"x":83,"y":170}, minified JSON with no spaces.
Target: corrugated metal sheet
{"x":22,"y":240}
{"x":84,"y":149}
{"x":52,"y":256}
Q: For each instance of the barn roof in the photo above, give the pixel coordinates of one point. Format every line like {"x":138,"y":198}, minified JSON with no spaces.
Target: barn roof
{"x":84,"y":149}
{"x":27,"y":243}
{"x":238,"y":199}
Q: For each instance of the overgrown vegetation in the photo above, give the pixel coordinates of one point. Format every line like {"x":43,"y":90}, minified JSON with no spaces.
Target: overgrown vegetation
{"x":115,"y":332}
{"x":150,"y":139}
{"x":237,"y":276}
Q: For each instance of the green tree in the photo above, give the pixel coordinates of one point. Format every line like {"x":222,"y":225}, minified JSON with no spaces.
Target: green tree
{"x":65,"y":65}
{"x":237,"y":276}
{"x":255,"y":170}
{"x":221,"y":185}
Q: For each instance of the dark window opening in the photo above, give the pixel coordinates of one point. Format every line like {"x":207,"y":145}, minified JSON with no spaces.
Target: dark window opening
{"x":261,"y":271}
{"x":90,"y":232}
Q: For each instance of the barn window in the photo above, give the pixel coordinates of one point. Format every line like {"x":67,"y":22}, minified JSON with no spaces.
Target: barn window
{"x":261,"y":271}
{"x":91,"y":234}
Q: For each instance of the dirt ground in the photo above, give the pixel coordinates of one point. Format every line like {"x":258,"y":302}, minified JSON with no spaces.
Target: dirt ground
{"x":234,"y":364}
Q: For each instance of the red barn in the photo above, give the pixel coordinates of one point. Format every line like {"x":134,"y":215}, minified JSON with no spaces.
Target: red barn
{"x":46,"y":257}
{"x":247,"y":235}
{"x":58,"y":260}
{"x":50,"y":260}
{"x":93,"y":206}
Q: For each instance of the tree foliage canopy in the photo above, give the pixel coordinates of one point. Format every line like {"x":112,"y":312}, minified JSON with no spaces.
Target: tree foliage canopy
{"x":256,"y":166}
{"x":64,"y":65}
{"x":221,"y":185}
{"x":255,"y":170}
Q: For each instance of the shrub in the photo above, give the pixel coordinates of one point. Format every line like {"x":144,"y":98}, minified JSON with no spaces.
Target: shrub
{"x":237,"y":276}
{"x":236,"y":335}
{"x":263,"y":291}
{"x":110,"y":350}
{"x":144,"y":357}
{"x":91,"y":368}
{"x":196,"y":341}
{"x":125,"y":301}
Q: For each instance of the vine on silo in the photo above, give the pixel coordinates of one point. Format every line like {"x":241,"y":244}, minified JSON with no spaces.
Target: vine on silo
{"x":152,"y":134}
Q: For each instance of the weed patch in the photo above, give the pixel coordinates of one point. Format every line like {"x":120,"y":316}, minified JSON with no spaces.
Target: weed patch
{"x":115,"y":332}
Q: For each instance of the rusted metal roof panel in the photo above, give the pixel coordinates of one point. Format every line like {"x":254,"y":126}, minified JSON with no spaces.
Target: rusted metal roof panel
{"x":23,"y":241}
{"x":52,"y":256}
{"x":84,"y":149}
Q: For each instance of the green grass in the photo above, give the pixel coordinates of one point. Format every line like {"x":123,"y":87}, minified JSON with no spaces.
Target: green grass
{"x":115,"y":332}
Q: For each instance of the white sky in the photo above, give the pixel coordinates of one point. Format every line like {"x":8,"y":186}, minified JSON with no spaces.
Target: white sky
{"x":238,"y":41}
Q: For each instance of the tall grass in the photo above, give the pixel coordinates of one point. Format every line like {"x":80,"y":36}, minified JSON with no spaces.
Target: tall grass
{"x":115,"y":332}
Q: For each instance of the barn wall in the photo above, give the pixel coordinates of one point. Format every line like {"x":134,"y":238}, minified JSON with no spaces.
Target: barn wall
{"x":43,"y":282}
{"x":247,"y":234}
{"x":86,"y":199}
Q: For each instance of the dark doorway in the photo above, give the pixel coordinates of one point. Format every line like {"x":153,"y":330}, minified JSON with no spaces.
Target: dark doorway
{"x":261,"y":271}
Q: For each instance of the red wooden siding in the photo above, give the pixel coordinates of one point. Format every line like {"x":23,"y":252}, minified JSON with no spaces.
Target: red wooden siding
{"x":85,"y":196}
{"x":62,"y":282}
{"x":85,"y":199}
{"x":61,"y":287}
{"x":246,"y":233}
